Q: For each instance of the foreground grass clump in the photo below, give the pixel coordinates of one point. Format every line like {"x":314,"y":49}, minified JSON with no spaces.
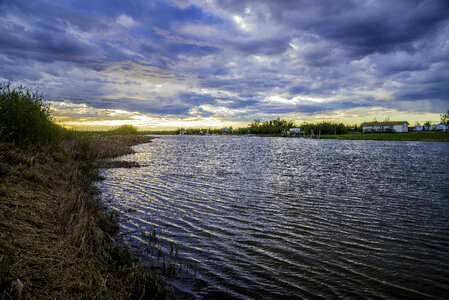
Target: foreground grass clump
{"x":56,"y":237}
{"x":54,"y":228}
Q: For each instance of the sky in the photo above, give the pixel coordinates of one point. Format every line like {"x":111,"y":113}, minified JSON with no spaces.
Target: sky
{"x":206,"y":63}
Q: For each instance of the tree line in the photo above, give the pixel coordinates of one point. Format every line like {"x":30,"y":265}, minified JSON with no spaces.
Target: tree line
{"x":278,"y":126}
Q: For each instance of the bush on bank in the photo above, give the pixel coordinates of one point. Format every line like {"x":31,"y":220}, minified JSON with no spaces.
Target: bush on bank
{"x":26,"y":119}
{"x":122,"y":130}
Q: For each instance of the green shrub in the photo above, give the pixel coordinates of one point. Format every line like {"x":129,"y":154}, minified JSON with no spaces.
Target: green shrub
{"x":25,"y":118}
{"x":122,"y":130}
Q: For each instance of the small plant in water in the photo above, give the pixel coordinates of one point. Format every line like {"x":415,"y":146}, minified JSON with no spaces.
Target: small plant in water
{"x":131,"y":209}
{"x":168,"y":261}
{"x":151,"y":237}
{"x":115,"y":215}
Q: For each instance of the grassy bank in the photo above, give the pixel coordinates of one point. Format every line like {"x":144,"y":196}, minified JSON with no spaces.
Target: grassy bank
{"x":56,"y":237}
{"x":408,"y":136}
{"x":55,"y":234}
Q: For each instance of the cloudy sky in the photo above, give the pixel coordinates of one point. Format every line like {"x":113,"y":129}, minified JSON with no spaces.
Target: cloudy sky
{"x":165,"y":64}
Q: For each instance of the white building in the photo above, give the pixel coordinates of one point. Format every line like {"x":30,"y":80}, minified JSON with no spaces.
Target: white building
{"x":295,"y":130}
{"x":441,"y":127}
{"x":397,"y":126}
{"x":418,"y":128}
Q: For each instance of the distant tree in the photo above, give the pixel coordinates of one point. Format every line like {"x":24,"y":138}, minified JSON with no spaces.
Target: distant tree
{"x":276,"y":126}
{"x":427,"y":125}
{"x":445,"y":118}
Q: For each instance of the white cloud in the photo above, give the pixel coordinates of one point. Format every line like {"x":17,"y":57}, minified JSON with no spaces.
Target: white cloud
{"x":126,"y":21}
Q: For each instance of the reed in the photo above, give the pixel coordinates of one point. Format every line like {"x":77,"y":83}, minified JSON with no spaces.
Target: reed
{"x":56,"y":237}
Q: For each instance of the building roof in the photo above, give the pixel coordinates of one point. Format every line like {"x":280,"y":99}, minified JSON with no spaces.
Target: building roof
{"x":375,"y":123}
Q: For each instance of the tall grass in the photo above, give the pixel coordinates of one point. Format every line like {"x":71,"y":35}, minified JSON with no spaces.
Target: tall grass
{"x":55,"y":234}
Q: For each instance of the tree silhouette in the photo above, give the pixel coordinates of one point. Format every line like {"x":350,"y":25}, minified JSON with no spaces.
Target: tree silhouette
{"x":445,"y":118}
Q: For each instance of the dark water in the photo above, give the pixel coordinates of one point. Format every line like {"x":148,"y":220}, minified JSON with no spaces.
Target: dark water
{"x":274,"y":218}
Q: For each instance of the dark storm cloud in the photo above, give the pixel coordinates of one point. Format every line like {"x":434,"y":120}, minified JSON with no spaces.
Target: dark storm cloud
{"x":173,"y":50}
{"x":299,"y":90}
{"x":155,"y":106}
{"x":196,"y":99}
{"x":398,"y":67}
{"x":249,"y":50}
{"x":362,"y":27}
{"x":309,"y":107}
{"x":437,"y":91}
{"x":174,"y":105}
{"x":52,"y":31}
{"x":275,"y":46}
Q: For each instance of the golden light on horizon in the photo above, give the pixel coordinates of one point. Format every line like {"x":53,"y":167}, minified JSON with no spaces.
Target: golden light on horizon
{"x":84,"y":117}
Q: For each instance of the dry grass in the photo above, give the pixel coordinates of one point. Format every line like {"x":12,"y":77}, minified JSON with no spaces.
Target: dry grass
{"x":55,"y":235}
{"x":112,"y":146}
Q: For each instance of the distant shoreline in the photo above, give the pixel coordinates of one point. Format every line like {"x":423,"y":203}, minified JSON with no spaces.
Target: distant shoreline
{"x":430,"y":136}
{"x":405,"y":137}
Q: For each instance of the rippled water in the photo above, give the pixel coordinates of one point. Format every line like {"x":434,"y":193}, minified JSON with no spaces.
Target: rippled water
{"x":270,"y":218}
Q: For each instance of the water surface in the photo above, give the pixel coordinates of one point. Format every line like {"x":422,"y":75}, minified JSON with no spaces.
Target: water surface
{"x":272,"y":218}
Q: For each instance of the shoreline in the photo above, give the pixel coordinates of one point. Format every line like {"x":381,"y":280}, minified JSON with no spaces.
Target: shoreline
{"x":400,"y":137}
{"x":56,"y":236}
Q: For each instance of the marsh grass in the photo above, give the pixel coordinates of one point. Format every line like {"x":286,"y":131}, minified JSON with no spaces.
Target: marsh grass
{"x":51,"y":222}
{"x":56,"y":237}
{"x":111,"y":146}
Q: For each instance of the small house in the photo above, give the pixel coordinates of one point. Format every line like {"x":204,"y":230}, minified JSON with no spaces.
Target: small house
{"x":418,"y":128}
{"x":295,"y":131}
{"x":396,"y":126}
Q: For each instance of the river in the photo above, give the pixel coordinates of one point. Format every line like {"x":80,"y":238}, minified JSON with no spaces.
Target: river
{"x":290,"y":218}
